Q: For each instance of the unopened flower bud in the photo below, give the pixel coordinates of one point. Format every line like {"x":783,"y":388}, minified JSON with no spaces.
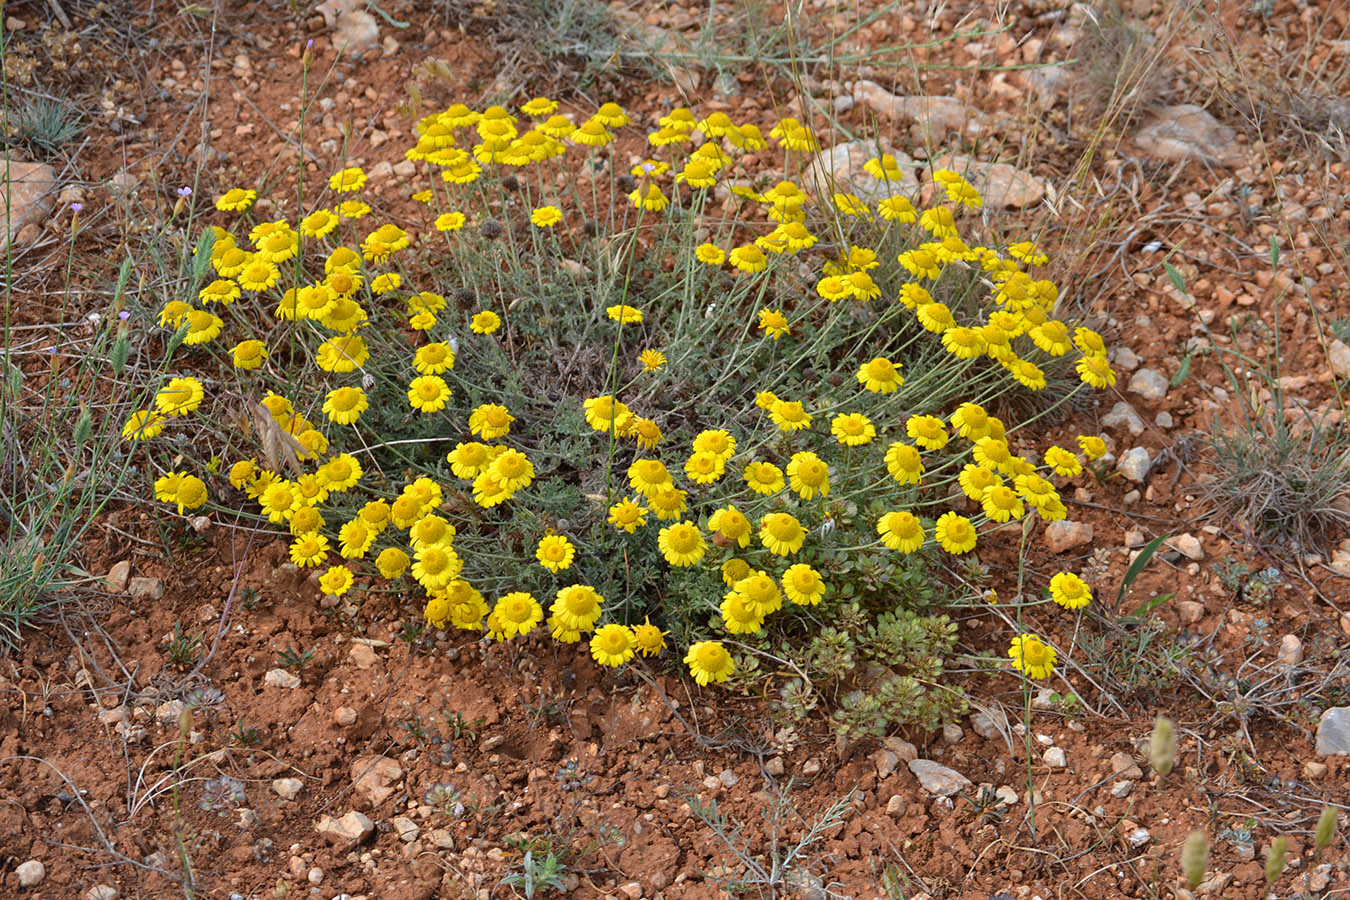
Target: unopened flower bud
{"x":1195,"y":858}
{"x":1162,"y":746}
{"x":1275,"y":858}
{"x":1325,"y":832}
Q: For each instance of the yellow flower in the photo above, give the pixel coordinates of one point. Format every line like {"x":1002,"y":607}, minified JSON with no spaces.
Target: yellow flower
{"x":355,"y":538}
{"x":808,"y":474}
{"x":336,"y":581}
{"x":773,"y":323}
{"x":248,"y":354}
{"x":748,"y":258}
{"x":577,"y":607}
{"x":649,"y":639}
{"x":1093,"y":447}
{"x":491,"y":421}
{"x":852,"y":429}
{"x":202,"y":327}
{"x":512,"y":470}
{"x":729,"y":525}
{"x":681,"y":544}
{"x":880,"y":376}
{"x":901,"y":531}
{"x":344,"y":405}
{"x":651,"y":359}
{"x":936,"y":317}
{"x":803,"y":585}
{"x":648,"y":476}
{"x":955,"y":533}
{"x":342,"y":354}
{"x":517,"y":613}
{"x":436,"y":565}
{"x":624,"y":314}
{"x":764,"y":477}
{"x":1001,"y":503}
{"x":184,"y":490}
{"x":715,"y":440}
{"x":1070,"y":591}
{"x":704,"y":468}
{"x":613,"y":645}
{"x":781,"y":533}
{"x":180,"y":396}
{"x":789,"y":416}
{"x":897,"y":209}
{"x":539,"y":106}
{"x":485,"y":322}
{"x":650,"y":199}
{"x":546,"y":216}
{"x":433,"y":359}
{"x":627,"y":515}
{"x":971,"y":421}
{"x":710,"y":254}
{"x":319,"y":223}
{"x":1096,"y":371}
{"x":709,"y":661}
{"x":352,"y":179}
{"x":309,"y":550}
{"x":392,"y":562}
{"x":236,"y":200}
{"x":976,"y":480}
{"x":1031,"y":657}
{"x":740,"y":616}
{"x":1063,"y":462}
{"x":611,"y":115}
{"x":340,"y":473}
{"x":353,"y":209}
{"x":920,"y":263}
{"x":428,"y":393}
{"x":605,"y":414}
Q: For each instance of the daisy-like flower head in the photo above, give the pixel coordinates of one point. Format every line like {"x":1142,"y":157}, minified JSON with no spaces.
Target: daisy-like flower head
{"x":180,"y":396}
{"x":901,"y":531}
{"x":715,"y":440}
{"x":627,"y":515}
{"x":852,"y":429}
{"x":431,"y":531}
{"x":880,"y":376}
{"x":342,"y":354}
{"x":1070,"y":591}
{"x":803,"y":585}
{"x":512,"y":470}
{"x":651,"y":359}
{"x":248,"y":354}
{"x":348,"y":180}
{"x":936,"y":317}
{"x":730,"y":526}
{"x":546,"y":216}
{"x":748,"y":258}
{"x":577,"y":607}
{"x":709,"y":662}
{"x":1096,"y":372}
{"x":309,"y":550}
{"x":236,"y":200}
{"x":613,"y":645}
{"x":764,"y":477}
{"x":143,"y":425}
{"x":491,"y":421}
{"x":428,"y":393}
{"x":648,"y":638}
{"x":904,"y":463}
{"x":929,"y":432}
{"x":1093,"y":447}
{"x":773,"y":323}
{"x":1001,"y":503}
{"x":710,"y":254}
{"x":319,"y":224}
{"x":517,"y":613}
{"x":789,"y":416}
{"x":682,"y":544}
{"x":976,"y":480}
{"x":650,"y":199}
{"x":344,"y":405}
{"x":971,"y":421}
{"x":605,"y":414}
{"x":781,"y":533}
{"x":340,"y":473}
{"x":336,"y":581}
{"x":739,"y":616}
{"x":1063,"y":462}
{"x":434,"y":359}
{"x":648,"y":476}
{"x":955,"y":533}
{"x":624,"y":314}
{"x":555,"y":552}
{"x":704,"y":467}
{"x":485,"y":322}
{"x":808,"y":475}
{"x":203,"y":326}
{"x":392,"y":562}
{"x":1032,"y":657}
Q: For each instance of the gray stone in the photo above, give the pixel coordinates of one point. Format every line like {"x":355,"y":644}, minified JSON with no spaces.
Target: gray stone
{"x":840,"y":168}
{"x":281,"y":678}
{"x":1134,"y":464}
{"x":932,"y":116}
{"x":145,"y":589}
{"x":102,"y":892}
{"x":1339,"y":354}
{"x":1125,"y":359}
{"x":1124,"y":766}
{"x":408,"y":830}
{"x":118,"y":575}
{"x":1188,"y":545}
{"x":811,"y":767}
{"x":1122,"y":789}
{"x":983,"y":724}
{"x":1055,"y":758}
{"x":937,"y":778}
{"x":353,"y":828}
{"x":728,"y":778}
{"x":442,"y":838}
{"x":952,"y":733}
{"x":376,"y":778}
{"x":1006,"y":795}
{"x":1187,"y":131}
{"x":1333,"y":732}
{"x":287,"y":788}
{"x":1291,"y":650}
{"x":28,"y":192}
{"x":1062,"y":535}
{"x":1001,"y":186}
{"x":30,"y":873}
{"x":1149,"y":384}
{"x":774,"y":767}
{"x":1123,"y":414}
{"x":895,"y":807}
{"x":1135,"y":539}
{"x":901,"y":748}
{"x":1163,"y":419}
{"x":886,"y":762}
{"x":1212,"y":887}
{"x":1190,"y":611}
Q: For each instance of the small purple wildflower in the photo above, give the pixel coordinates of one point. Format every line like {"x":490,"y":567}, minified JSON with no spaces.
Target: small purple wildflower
{"x":77,"y":207}
{"x":185,"y":191}
{"x":124,"y":315}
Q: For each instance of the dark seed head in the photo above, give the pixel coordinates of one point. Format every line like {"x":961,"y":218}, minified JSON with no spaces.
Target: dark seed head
{"x":626,"y":183}
{"x":491,"y":229}
{"x":591,"y":228}
{"x":511,"y":182}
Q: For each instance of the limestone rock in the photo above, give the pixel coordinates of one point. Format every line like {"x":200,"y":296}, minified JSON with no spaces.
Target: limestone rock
{"x":895,"y":807}
{"x":1188,"y":545}
{"x":933,"y":117}
{"x":1055,"y":758}
{"x":145,"y":589}
{"x":1291,"y":650}
{"x":1190,"y":611}
{"x":886,"y":762}
{"x":287,"y":788}
{"x":1149,"y":384}
{"x":29,"y":193}
{"x":353,"y":828}
{"x":1123,"y":414}
{"x":376,"y":778}
{"x":840,"y":168}
{"x":118,"y":575}
{"x":1333,"y":732}
{"x":1188,"y":131}
{"x":30,"y":873}
{"x":937,"y":778}
{"x":1124,"y":766}
{"x":1134,"y":464}
{"x":1339,"y":353}
{"x":1064,"y":534}
{"x":102,"y":892}
{"x":282,"y":679}
{"x":1001,"y":185}
{"x":408,"y":830}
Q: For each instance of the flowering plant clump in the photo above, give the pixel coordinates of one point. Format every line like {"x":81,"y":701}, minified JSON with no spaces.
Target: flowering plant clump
{"x":682,"y":402}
